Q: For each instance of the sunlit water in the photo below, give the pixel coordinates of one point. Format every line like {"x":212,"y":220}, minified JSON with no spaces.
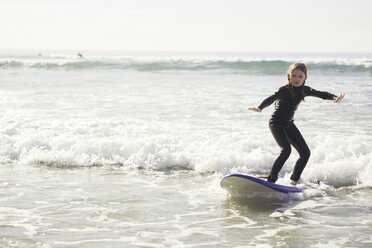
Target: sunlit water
{"x":113,"y":157}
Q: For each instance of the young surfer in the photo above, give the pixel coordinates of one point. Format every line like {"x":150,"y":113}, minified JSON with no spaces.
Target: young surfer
{"x":281,"y":124}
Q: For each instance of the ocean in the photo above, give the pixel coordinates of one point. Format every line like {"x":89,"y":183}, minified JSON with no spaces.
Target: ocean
{"x":127,"y":149}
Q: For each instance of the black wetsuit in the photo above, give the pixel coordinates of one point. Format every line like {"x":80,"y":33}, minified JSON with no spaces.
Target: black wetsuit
{"x":284,"y":130}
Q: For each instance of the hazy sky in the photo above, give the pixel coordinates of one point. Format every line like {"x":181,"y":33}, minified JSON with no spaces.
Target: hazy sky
{"x":188,"y":25}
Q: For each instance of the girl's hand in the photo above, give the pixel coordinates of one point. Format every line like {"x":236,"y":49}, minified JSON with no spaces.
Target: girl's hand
{"x":339,"y":98}
{"x":255,"y":109}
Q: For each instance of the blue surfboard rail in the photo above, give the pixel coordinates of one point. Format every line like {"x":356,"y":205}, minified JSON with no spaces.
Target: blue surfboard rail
{"x":274,"y":186}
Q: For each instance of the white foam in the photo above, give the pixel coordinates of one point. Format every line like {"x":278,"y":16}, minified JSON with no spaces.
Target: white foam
{"x":340,"y":242}
{"x":246,"y":63}
{"x":160,"y":121}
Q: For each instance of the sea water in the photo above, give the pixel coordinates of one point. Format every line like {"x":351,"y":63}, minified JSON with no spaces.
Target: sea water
{"x":120,"y":149}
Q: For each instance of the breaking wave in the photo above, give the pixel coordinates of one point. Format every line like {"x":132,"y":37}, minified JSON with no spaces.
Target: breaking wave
{"x":244,"y":65}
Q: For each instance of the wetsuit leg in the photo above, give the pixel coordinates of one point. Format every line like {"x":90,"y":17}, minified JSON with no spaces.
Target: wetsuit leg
{"x":299,"y":143}
{"x":281,"y":137}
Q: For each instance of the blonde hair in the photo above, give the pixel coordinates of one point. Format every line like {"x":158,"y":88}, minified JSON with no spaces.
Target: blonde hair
{"x":296,"y":66}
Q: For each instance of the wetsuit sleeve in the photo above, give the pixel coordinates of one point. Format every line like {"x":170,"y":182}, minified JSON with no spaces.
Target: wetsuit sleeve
{"x":268,"y":101}
{"x":321,"y":94}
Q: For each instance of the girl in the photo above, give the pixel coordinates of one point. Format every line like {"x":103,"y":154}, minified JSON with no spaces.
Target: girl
{"x":281,"y":124}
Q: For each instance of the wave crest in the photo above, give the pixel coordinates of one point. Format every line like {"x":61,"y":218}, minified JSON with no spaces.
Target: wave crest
{"x":198,"y":64}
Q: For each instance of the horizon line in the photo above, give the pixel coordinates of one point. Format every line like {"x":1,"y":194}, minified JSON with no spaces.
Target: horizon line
{"x":76,"y":50}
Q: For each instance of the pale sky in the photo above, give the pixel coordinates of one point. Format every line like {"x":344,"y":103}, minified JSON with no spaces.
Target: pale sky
{"x":188,"y":25}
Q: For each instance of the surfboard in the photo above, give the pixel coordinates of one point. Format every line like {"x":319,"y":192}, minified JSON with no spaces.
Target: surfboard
{"x":248,"y":185}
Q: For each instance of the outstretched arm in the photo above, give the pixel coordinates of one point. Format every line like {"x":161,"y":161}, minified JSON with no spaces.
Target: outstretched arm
{"x":267,"y":102}
{"x":323,"y":94}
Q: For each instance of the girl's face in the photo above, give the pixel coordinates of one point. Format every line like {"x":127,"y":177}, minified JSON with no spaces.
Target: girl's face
{"x":297,"y":78}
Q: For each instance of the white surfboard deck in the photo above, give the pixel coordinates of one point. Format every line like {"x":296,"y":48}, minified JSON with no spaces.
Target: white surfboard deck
{"x":244,"y":184}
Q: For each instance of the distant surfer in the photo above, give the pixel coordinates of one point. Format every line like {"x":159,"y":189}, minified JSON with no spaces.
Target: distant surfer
{"x":80,"y":55}
{"x":281,"y":123}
